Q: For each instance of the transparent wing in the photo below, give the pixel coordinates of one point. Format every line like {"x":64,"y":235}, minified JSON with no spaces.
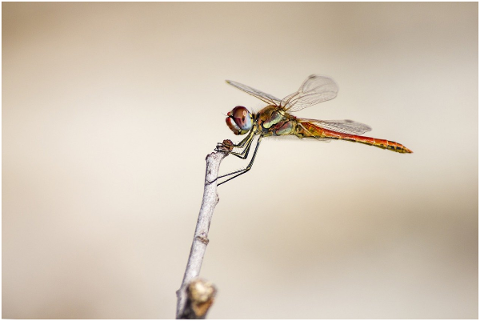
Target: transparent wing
{"x":315,"y":89}
{"x":346,"y":126}
{"x":267,"y":98}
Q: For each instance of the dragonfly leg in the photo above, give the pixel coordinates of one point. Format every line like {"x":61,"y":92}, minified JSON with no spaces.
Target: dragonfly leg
{"x":229,"y":145}
{"x":246,"y":141}
{"x":243,"y":171}
{"x":246,"y":150}
{"x":243,"y":155}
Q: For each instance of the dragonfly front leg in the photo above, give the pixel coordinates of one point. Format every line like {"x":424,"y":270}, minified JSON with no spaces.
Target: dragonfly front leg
{"x":246,"y":141}
{"x":244,"y":154}
{"x":229,"y":145}
{"x":243,"y":171}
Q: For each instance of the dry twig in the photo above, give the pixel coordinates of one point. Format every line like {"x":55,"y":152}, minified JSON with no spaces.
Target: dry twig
{"x":187,"y":305}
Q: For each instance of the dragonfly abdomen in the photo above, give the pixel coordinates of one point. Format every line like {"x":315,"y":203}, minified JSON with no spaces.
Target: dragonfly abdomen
{"x":381,"y":143}
{"x":307,"y":129}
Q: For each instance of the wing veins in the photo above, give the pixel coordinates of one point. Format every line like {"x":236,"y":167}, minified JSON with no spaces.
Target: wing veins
{"x":266,"y":98}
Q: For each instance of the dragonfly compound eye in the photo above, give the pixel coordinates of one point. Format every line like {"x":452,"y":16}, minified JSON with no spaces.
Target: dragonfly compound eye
{"x":239,"y":120}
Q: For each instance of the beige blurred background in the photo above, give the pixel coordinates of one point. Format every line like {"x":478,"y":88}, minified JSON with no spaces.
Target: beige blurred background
{"x":109,"y":110}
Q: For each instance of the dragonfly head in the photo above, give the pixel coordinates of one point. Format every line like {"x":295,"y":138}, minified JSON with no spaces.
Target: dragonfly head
{"x":239,"y":120}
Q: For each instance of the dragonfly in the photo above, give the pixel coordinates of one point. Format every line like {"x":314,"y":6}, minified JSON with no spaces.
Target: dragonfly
{"x":276,"y":120}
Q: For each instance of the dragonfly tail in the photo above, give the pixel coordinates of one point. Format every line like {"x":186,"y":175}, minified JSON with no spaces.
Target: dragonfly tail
{"x":307,"y":129}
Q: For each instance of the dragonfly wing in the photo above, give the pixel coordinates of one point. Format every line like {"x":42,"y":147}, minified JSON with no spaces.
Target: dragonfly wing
{"x":315,"y":89}
{"x":267,"y":98}
{"x":346,"y":126}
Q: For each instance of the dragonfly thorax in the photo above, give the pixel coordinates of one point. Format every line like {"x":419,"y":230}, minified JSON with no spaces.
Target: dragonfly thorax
{"x":239,"y":120}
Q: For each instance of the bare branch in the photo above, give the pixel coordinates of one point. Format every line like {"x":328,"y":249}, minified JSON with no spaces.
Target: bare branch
{"x":200,"y":240}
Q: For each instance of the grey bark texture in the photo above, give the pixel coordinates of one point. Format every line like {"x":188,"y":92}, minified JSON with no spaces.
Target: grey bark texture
{"x":185,"y":302}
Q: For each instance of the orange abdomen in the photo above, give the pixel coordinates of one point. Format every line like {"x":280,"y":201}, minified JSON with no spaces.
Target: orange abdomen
{"x":307,"y":129}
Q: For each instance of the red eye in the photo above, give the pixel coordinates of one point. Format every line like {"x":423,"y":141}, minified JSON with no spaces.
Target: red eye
{"x":241,"y":116}
{"x":239,"y":112}
{"x":242,"y":120}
